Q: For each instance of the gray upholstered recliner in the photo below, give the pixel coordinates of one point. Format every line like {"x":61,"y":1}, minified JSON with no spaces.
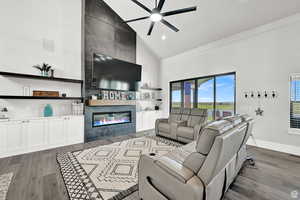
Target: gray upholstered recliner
{"x":201,"y":170}
{"x":183,"y":124}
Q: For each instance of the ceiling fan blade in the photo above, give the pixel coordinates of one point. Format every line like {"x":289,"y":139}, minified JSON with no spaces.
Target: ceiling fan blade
{"x":133,"y":20}
{"x":161,"y":4}
{"x":180,"y":11}
{"x":142,"y":6}
{"x":169,"y":25}
{"x":151,"y":28}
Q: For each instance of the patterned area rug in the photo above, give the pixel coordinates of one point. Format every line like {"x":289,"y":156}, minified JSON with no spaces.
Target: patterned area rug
{"x":5,"y":180}
{"x":109,"y":172}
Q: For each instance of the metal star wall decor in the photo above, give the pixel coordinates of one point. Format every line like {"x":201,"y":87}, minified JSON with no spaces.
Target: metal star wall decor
{"x":259,"y":112}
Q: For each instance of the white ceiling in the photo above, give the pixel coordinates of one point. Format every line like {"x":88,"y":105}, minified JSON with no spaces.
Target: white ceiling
{"x":214,"y":20}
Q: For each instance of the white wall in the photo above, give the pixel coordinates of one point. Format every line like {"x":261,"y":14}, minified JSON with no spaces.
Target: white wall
{"x":263,"y":60}
{"x":150,"y":63}
{"x":150,"y":70}
{"x":33,"y":32}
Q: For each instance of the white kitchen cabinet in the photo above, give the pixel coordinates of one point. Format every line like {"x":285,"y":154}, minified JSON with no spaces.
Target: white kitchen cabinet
{"x":24,"y":136}
{"x":3,"y":131}
{"x":36,"y":134}
{"x":146,"y":119}
{"x":75,"y":129}
{"x":139,"y":121}
{"x":57,"y":134}
{"x":14,"y":137}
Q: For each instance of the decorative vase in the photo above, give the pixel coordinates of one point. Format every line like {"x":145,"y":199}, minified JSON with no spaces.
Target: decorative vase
{"x":43,"y":73}
{"x":52,"y":73}
{"x":48,"y":111}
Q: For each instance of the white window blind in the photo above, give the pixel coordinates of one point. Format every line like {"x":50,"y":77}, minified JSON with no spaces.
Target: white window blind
{"x":295,"y":102}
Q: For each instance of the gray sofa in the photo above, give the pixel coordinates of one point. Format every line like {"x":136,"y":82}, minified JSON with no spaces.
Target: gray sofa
{"x":200,"y":170}
{"x":183,"y":124}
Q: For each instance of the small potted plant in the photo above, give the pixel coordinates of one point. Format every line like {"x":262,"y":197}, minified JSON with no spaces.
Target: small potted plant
{"x":44,"y":69}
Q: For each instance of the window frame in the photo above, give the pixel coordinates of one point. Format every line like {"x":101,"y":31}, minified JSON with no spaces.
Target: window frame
{"x":292,"y":131}
{"x":196,"y":90}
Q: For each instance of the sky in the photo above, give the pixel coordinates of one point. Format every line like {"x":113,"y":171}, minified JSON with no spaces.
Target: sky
{"x":295,"y":90}
{"x":224,"y":90}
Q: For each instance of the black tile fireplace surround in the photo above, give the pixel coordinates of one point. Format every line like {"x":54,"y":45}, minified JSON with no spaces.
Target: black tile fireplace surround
{"x":109,"y":121}
{"x":105,"y":32}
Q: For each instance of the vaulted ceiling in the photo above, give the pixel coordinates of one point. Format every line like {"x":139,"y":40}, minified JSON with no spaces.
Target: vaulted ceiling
{"x":214,"y":20}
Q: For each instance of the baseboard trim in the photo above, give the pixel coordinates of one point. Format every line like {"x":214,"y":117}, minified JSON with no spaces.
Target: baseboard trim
{"x":289,"y":149}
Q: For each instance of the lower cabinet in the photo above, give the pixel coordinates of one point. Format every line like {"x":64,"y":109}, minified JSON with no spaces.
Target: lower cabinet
{"x":13,"y":137}
{"x":2,"y":133}
{"x":145,"y":120}
{"x":23,"y":136}
{"x":35,"y":131}
{"x":75,"y":130}
{"x":57,"y":132}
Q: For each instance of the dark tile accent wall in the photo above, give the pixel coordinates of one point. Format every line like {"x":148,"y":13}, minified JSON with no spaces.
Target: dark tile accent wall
{"x":106,"y":33}
{"x":109,"y":131}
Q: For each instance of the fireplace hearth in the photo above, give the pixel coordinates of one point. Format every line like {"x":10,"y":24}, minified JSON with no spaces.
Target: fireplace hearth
{"x":111,"y":118}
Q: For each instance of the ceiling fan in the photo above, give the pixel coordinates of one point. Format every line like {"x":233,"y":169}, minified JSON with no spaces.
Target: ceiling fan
{"x":157,"y":16}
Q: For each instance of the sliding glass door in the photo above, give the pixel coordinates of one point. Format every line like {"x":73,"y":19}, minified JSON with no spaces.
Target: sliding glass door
{"x":176,"y":95}
{"x":206,"y":95}
{"x":215,"y":93}
{"x":189,"y":94}
{"x":225,"y":96}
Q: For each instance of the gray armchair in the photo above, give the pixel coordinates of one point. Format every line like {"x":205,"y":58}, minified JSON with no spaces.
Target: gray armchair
{"x":201,"y":170}
{"x":183,"y":124}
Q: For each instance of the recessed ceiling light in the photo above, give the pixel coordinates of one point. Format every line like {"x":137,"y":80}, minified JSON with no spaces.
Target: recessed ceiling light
{"x":163,"y":37}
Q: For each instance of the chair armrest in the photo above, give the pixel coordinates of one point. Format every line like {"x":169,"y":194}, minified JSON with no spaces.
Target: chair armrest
{"x":163,"y":120}
{"x":174,"y":168}
{"x":158,"y":121}
{"x":164,"y":178}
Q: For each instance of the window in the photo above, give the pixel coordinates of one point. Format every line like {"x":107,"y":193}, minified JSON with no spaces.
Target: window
{"x":215,"y":93}
{"x":295,"y":102}
{"x":176,"y":95}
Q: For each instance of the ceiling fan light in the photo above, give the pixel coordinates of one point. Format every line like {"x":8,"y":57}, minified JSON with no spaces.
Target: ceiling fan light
{"x":156,"y":17}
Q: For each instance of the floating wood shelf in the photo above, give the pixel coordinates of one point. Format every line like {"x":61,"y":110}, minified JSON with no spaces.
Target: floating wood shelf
{"x":153,"y":89}
{"x":149,"y":100}
{"x":40,"y":98}
{"x":36,"y":77}
{"x":111,"y":102}
{"x":29,"y":76}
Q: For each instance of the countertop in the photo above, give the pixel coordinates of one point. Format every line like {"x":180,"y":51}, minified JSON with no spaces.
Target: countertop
{"x":36,"y":118}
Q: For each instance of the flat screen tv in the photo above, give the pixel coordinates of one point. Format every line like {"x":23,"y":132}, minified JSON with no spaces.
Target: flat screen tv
{"x":113,"y":74}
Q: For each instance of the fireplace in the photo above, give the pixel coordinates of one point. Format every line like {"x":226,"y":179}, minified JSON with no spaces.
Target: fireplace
{"x":103,"y":122}
{"x":111,"y":118}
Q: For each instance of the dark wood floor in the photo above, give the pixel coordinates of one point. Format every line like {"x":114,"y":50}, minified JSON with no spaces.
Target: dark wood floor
{"x":37,"y":176}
